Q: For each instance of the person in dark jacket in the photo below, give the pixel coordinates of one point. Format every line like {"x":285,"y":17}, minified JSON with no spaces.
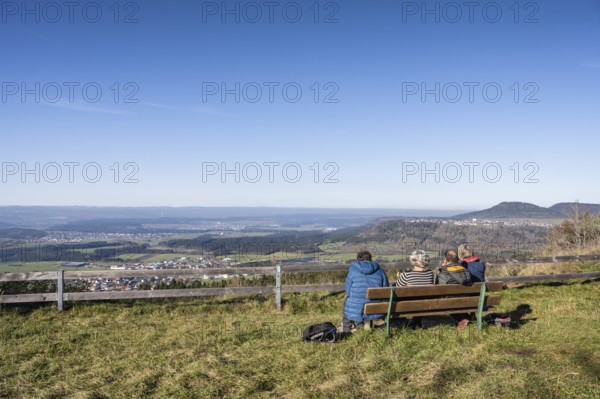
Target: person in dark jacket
{"x":363,"y":274}
{"x":452,"y":270}
{"x":473,"y":263}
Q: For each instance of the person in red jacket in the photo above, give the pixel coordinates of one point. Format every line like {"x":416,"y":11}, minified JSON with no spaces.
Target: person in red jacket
{"x":475,"y":265}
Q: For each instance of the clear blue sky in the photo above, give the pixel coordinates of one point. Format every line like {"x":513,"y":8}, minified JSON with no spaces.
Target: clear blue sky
{"x":369,"y":127}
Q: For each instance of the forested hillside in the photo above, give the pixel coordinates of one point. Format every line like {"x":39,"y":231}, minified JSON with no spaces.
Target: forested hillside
{"x":430,"y":234}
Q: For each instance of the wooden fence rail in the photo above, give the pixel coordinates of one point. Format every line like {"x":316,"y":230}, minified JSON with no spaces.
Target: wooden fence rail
{"x":60,"y":276}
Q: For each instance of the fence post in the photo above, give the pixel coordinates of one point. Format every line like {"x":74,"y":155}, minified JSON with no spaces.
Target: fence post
{"x":60,"y":282}
{"x":278,"y":286}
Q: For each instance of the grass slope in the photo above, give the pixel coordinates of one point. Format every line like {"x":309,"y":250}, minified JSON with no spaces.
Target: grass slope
{"x":244,"y":347}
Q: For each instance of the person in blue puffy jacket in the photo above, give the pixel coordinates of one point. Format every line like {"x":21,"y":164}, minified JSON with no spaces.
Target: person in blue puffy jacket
{"x":363,"y":274}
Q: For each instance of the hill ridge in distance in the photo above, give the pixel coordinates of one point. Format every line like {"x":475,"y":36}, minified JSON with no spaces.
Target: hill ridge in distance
{"x":526,"y":210}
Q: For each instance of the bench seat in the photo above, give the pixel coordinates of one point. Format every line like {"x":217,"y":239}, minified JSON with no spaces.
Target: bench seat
{"x":432,"y":300}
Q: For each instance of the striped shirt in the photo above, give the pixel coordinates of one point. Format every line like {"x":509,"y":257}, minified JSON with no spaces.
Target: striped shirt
{"x":415,"y":278}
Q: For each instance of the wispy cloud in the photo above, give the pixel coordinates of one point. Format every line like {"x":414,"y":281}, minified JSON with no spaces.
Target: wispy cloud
{"x":207,"y":110}
{"x":89,"y":108}
{"x":201,"y":109}
{"x":591,"y":64}
{"x":163,"y":106}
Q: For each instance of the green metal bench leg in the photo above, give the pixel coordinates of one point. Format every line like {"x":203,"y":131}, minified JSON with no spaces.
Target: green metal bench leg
{"x":480,"y":307}
{"x":389,"y":312}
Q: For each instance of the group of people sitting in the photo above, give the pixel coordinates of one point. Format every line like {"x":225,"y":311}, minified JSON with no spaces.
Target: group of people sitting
{"x":457,"y":267}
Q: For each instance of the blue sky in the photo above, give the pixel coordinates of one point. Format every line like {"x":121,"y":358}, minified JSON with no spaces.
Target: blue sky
{"x":162,"y":122}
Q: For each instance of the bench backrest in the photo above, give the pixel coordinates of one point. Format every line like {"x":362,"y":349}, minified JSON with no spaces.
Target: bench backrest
{"x":431,"y":299}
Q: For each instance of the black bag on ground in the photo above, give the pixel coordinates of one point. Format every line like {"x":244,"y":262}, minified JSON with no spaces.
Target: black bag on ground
{"x":499,"y":319}
{"x":322,"y":332}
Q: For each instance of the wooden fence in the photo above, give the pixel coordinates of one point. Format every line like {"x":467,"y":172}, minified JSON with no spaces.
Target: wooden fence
{"x":60,"y":296}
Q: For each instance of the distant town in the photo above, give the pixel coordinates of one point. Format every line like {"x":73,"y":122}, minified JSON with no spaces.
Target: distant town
{"x":135,"y":283}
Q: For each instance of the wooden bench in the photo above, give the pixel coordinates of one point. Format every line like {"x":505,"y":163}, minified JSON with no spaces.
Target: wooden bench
{"x":432,"y":300}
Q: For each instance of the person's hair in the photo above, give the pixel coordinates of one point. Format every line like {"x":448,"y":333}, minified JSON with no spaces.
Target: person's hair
{"x":364,"y":255}
{"x":419,"y":258}
{"x":451,"y":256}
{"x":465,"y":251}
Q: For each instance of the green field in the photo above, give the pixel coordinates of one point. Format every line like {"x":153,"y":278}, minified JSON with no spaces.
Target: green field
{"x":26,"y":267}
{"x":161,"y":257}
{"x":245,"y":348}
{"x":331,"y":252}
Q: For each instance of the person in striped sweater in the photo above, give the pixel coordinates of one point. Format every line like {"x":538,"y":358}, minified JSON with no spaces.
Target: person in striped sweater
{"x":419,"y":275}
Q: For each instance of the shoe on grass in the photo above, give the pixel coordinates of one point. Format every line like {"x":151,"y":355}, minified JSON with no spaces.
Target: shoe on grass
{"x":462,"y":324}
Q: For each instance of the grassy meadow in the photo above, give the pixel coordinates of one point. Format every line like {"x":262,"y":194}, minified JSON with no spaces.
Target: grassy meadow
{"x":26,"y":267}
{"x":241,"y":347}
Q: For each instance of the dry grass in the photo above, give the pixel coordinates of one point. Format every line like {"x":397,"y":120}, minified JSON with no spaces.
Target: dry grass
{"x":591,"y":249}
{"x":531,"y":270}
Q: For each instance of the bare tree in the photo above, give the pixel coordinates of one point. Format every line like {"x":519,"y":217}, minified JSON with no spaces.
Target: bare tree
{"x":580,"y":230}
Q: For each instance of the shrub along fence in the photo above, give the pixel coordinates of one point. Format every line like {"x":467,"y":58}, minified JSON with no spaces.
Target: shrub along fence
{"x":60,"y":276}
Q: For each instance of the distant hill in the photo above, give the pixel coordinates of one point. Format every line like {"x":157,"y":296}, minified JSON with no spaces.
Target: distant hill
{"x":564,"y":208}
{"x":525,"y":210}
{"x":489,"y":240}
{"x":42,"y":217}
{"x":5,"y":225}
{"x":16,"y":233}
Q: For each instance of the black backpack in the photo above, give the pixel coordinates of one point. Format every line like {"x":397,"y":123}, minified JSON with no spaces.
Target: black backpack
{"x":323,"y":332}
